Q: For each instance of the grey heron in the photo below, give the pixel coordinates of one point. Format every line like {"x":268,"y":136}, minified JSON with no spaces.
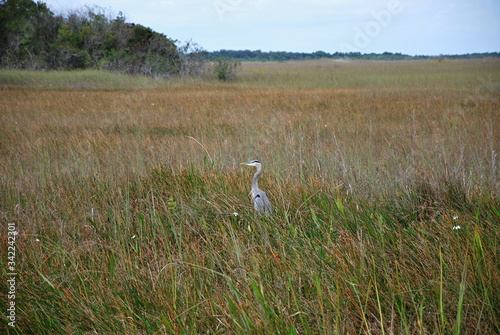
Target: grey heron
{"x":260,"y":201}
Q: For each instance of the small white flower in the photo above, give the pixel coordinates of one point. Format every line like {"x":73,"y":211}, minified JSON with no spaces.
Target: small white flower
{"x":457,"y":228}
{"x":234,"y":214}
{"x":455,"y":217}
{"x":37,"y":240}
{"x":133,"y":237}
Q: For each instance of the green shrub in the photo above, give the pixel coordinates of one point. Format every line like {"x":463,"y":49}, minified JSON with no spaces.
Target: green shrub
{"x":226,"y":69}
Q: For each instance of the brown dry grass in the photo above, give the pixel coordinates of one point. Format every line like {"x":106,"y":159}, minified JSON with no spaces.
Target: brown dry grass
{"x":123,"y":198}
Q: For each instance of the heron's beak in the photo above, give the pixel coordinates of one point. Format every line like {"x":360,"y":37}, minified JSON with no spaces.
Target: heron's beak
{"x":246,"y":163}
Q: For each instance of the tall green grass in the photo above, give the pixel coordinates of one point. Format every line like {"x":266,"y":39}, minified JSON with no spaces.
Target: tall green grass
{"x":134,"y":217}
{"x":86,"y":80}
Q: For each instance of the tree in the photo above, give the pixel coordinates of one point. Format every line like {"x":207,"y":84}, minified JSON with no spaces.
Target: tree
{"x":151,"y":53}
{"x":26,"y":28}
{"x":193,"y":59}
{"x":31,"y":36}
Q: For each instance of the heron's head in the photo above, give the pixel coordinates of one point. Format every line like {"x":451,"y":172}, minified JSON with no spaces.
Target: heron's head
{"x":252,"y":163}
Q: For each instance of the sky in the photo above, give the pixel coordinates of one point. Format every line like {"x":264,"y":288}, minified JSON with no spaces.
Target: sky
{"x":414,"y":27}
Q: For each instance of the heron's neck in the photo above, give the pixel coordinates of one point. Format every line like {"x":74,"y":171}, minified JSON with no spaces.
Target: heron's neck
{"x":255,"y":185}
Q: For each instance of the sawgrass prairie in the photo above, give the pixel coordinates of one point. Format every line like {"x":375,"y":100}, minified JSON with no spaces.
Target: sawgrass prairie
{"x":133,"y":216}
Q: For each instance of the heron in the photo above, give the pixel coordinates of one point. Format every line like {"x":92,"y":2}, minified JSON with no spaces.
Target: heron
{"x":260,"y":201}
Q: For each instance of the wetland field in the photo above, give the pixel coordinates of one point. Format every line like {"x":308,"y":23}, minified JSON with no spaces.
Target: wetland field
{"x":125,"y":210}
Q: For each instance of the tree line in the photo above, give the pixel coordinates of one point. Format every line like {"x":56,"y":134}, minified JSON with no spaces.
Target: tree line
{"x":33,"y":37}
{"x":258,"y":55}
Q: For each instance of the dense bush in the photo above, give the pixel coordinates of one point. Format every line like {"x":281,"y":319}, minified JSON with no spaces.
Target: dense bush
{"x":33,"y":37}
{"x":226,"y":68}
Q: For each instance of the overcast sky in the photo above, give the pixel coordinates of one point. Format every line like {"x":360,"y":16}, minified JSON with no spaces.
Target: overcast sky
{"x":415,"y":27}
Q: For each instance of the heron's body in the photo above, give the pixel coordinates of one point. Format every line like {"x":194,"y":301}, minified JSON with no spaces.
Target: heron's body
{"x":261,"y":202}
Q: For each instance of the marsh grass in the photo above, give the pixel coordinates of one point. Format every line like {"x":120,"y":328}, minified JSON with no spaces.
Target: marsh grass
{"x":124,"y":192}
